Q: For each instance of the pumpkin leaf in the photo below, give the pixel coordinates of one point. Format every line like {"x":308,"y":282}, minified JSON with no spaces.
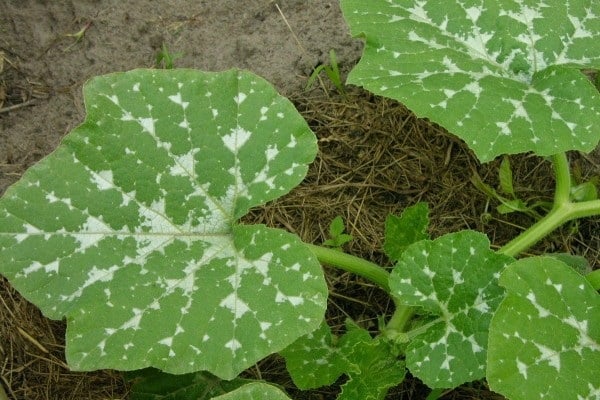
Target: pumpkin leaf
{"x":545,"y":336}
{"x":130,"y":228}
{"x":504,"y":76}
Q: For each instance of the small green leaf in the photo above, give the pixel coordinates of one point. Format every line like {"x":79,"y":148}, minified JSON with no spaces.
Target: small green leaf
{"x":318,"y":359}
{"x":510,"y":206}
{"x":166,"y":59}
{"x":401,"y":232}
{"x":545,"y":336}
{"x":506,"y":177}
{"x":255,"y":391}
{"x":336,"y":232}
{"x":333,"y":73}
{"x":584,"y":192}
{"x":130,"y":228}
{"x":336,"y":227}
{"x":484,"y":187}
{"x":315,"y":360}
{"x":379,"y":369}
{"x":502,"y":75}
{"x":152,"y":384}
{"x":455,"y":279}
{"x":313,"y":77}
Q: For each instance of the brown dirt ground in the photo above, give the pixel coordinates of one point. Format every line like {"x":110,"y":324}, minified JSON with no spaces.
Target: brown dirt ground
{"x":375,"y":157}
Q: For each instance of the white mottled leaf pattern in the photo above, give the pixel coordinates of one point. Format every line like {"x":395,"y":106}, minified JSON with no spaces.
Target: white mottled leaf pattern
{"x":545,"y":336}
{"x":129,"y":229}
{"x":454,"y":278}
{"x":502,"y":75}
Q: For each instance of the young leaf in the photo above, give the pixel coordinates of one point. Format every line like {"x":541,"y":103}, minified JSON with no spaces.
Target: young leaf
{"x":378,"y":368}
{"x":401,"y":232}
{"x":509,"y":206}
{"x":255,"y":391}
{"x":454,"y":278}
{"x":545,"y":336}
{"x":336,"y":227}
{"x":584,"y":192}
{"x":314,"y":360}
{"x":129,"y":229}
{"x":165,"y":58}
{"x":151,"y":384}
{"x":506,"y":177}
{"x":502,"y":75}
{"x":336,"y":233}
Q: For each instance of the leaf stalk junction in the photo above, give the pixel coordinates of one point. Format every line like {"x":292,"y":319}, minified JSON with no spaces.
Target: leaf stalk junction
{"x":563,"y":210}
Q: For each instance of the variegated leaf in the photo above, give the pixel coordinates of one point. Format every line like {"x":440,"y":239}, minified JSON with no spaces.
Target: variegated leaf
{"x":503,"y":75}
{"x":455,"y":279}
{"x":130,"y":228}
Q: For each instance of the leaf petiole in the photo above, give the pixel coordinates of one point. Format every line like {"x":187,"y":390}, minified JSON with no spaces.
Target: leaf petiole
{"x":350,"y":263}
{"x":562,"y":211}
{"x":370,"y":271}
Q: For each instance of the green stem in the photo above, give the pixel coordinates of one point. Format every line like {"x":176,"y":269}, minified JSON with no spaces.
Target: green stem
{"x":370,"y":271}
{"x":350,"y":263}
{"x":399,"y":320}
{"x":555,"y":218}
{"x":562,"y":174}
{"x":562,"y":211}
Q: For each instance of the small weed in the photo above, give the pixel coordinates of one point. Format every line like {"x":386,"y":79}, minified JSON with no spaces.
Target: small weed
{"x":332,"y":71}
{"x":165,"y":59}
{"x":78,"y":35}
{"x":337,"y":237}
{"x":509,"y":202}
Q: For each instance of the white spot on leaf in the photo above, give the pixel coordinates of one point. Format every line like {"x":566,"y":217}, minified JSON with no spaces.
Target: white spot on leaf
{"x":236,"y":139}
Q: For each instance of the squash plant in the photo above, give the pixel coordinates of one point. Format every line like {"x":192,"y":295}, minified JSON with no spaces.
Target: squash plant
{"x":130,"y":228}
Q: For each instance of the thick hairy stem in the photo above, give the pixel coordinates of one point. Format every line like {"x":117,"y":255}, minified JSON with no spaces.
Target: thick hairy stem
{"x":562,"y":211}
{"x":350,"y":263}
{"x":399,"y":321}
{"x":368,"y":270}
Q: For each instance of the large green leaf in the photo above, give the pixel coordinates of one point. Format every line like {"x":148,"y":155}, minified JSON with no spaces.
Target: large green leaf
{"x":151,"y":384}
{"x":545,"y":336}
{"x":129,"y":228}
{"x":501,"y":74}
{"x":455,"y":279}
{"x":255,"y":391}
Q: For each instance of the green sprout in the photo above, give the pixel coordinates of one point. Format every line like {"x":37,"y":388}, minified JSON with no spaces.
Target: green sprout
{"x":79,"y":35}
{"x":337,"y":237}
{"x":509,"y":202}
{"x":165,"y":59}
{"x":332,"y":70}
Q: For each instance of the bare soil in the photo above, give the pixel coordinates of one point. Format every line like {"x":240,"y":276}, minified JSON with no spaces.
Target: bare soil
{"x":375,"y":157}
